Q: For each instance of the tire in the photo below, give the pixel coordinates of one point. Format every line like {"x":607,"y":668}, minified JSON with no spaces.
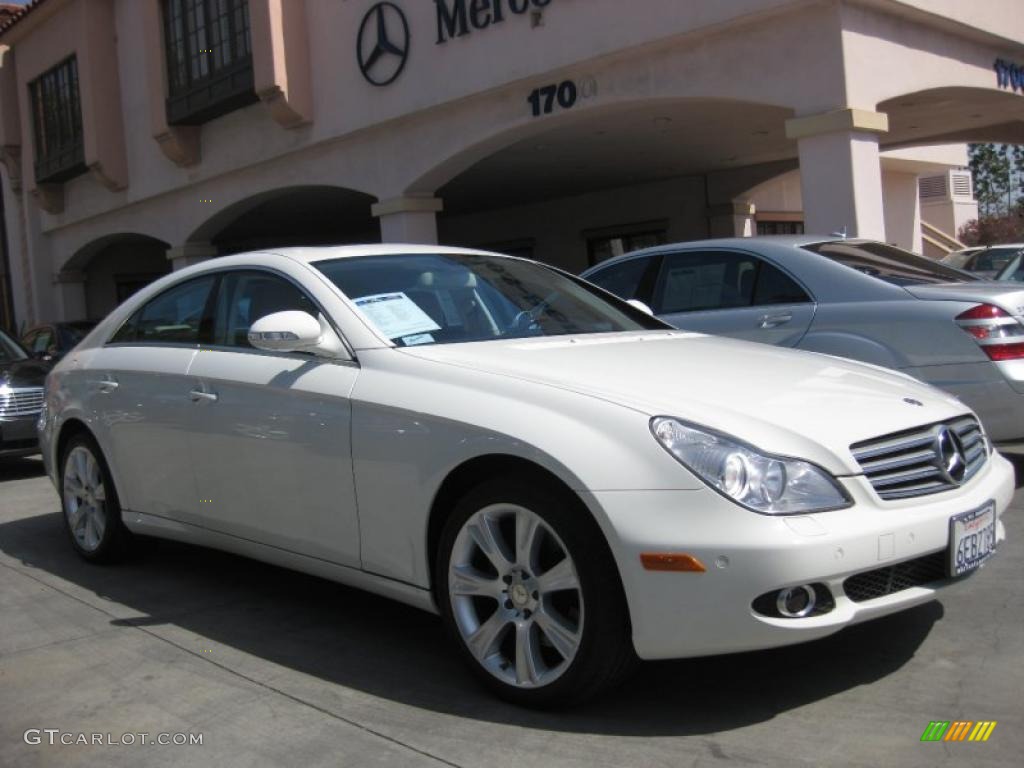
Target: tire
{"x":91,"y":510}
{"x":543,"y":624}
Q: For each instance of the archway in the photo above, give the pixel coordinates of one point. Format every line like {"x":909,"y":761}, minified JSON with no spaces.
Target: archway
{"x":112,"y":268}
{"x":291,"y":216}
{"x":574,"y":189}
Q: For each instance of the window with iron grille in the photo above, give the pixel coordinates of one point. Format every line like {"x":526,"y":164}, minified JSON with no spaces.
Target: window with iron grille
{"x":209,"y":59}
{"x":57,"y":123}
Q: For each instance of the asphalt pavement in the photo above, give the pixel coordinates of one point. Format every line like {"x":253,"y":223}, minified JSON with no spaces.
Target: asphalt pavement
{"x":270,"y":667}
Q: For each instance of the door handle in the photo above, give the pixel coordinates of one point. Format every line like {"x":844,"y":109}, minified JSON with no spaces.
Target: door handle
{"x":107,"y":385}
{"x":774,"y":321}
{"x":198,"y":396}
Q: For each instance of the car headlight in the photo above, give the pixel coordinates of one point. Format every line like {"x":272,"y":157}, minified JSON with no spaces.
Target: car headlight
{"x":771,"y":485}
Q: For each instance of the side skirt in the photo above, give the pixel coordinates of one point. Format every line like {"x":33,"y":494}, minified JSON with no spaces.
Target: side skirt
{"x":160,"y":527}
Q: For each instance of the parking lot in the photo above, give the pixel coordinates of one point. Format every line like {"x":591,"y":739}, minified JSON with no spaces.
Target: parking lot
{"x":276,"y":667}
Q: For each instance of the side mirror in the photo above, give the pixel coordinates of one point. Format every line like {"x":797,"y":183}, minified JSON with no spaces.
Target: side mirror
{"x":295,"y":331}
{"x":637,"y":304}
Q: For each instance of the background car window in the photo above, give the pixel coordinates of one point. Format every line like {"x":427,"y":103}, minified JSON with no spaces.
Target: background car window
{"x":776,"y":287}
{"x":175,"y":316}
{"x":630,"y":279}
{"x":699,"y":280}
{"x":42,"y":342}
{"x":888,"y":263}
{"x":245,"y":297}
{"x":991,"y":259}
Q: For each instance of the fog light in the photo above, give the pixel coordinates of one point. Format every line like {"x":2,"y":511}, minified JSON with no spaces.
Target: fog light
{"x":796,"y":602}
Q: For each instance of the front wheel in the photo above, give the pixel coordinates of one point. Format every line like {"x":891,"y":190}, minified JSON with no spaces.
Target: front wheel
{"x":530,"y":591}
{"x":92,"y":513}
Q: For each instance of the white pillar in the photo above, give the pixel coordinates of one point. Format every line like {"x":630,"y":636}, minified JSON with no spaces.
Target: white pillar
{"x":732,"y":220}
{"x":408,"y":219}
{"x":70,"y":289}
{"x":190,"y":253}
{"x":840,"y":174}
{"x":902,"y":210}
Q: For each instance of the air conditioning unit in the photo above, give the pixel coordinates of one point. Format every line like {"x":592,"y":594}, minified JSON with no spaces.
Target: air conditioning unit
{"x":952,"y":186}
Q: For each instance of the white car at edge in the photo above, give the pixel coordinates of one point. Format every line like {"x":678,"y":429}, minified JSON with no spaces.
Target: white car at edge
{"x":568,"y":482}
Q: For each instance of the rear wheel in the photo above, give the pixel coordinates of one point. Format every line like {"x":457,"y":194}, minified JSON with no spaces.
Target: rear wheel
{"x":92,"y":513}
{"x":529,"y":590}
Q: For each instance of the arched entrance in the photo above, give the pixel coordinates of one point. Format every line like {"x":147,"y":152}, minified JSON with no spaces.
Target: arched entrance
{"x":305,"y":215}
{"x":590,"y":185}
{"x":102,"y":274}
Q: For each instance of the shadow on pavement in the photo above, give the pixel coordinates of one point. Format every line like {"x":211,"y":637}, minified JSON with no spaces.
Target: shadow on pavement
{"x":21,"y":469}
{"x":353,"y":639}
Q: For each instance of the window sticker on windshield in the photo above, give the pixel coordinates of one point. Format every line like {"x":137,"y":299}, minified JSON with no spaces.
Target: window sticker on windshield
{"x":419,"y":338}
{"x":396,"y":315}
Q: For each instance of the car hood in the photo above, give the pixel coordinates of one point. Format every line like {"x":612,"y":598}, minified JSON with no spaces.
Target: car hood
{"x":23,"y":373}
{"x":1009,"y":296}
{"x":784,"y":401}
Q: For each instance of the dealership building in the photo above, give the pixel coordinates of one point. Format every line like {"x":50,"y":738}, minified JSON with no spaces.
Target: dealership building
{"x":140,"y":136}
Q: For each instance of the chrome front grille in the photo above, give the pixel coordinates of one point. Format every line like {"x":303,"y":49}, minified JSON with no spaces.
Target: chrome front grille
{"x":925,"y":460}
{"x":27,"y":401}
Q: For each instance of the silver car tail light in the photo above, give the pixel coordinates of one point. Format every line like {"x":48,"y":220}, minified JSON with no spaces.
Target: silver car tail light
{"x":997,"y":332}
{"x":929,"y":459}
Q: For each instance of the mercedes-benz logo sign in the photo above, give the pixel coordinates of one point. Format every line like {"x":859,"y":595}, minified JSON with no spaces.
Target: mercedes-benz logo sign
{"x":949,"y":451}
{"x":383,"y":44}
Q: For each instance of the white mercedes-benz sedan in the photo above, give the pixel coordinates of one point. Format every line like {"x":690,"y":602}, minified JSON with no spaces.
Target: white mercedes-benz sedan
{"x":568,"y":482}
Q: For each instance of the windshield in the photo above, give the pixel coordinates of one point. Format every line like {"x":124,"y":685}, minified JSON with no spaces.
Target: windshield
{"x":453,"y":298}
{"x":991,"y":259}
{"x":72,"y":333}
{"x":1013,"y":271}
{"x":10,"y":350}
{"x":888,"y":263}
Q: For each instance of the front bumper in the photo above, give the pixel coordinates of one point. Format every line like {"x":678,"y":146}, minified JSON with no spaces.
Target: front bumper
{"x":676,"y":615}
{"x":18,"y":436}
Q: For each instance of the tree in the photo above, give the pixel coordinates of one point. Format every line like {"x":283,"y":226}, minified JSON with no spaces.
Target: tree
{"x":992,"y":166}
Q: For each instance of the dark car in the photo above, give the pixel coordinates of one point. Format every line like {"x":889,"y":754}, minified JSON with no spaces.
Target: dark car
{"x":21,"y":398}
{"x":52,"y":341}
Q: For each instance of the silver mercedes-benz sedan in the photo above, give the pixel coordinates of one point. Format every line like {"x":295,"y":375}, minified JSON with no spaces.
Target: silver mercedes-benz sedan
{"x":859,"y":299}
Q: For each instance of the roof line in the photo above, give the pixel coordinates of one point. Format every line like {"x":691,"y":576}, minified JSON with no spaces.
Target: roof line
{"x":22,"y":12}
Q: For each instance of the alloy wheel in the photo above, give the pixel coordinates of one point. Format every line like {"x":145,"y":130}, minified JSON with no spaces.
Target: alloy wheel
{"x":85,"y":498}
{"x":515,"y":596}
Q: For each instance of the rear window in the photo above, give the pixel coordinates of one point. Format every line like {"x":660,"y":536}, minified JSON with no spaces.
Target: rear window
{"x":888,"y":263}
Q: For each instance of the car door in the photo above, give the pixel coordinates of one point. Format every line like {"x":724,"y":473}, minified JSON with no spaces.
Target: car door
{"x":270,"y":436}
{"x":138,"y":391}
{"x":732,"y":293}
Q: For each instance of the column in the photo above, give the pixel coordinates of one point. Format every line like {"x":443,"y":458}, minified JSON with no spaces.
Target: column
{"x":902,"y":210}
{"x":408,"y":219}
{"x":840,"y":174}
{"x":190,"y":253}
{"x":734,"y":219}
{"x":69,"y":285}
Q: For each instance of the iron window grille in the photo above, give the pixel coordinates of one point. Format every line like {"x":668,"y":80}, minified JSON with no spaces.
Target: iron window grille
{"x":57,"y":123}
{"x":209,"y":59}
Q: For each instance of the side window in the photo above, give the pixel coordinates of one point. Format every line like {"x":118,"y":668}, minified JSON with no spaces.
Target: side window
{"x":176,"y":316}
{"x":776,"y":287}
{"x":702,"y":280}
{"x":245,"y":297}
{"x":630,"y":279}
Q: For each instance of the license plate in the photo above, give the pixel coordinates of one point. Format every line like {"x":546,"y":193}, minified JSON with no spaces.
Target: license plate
{"x":972,"y":539}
